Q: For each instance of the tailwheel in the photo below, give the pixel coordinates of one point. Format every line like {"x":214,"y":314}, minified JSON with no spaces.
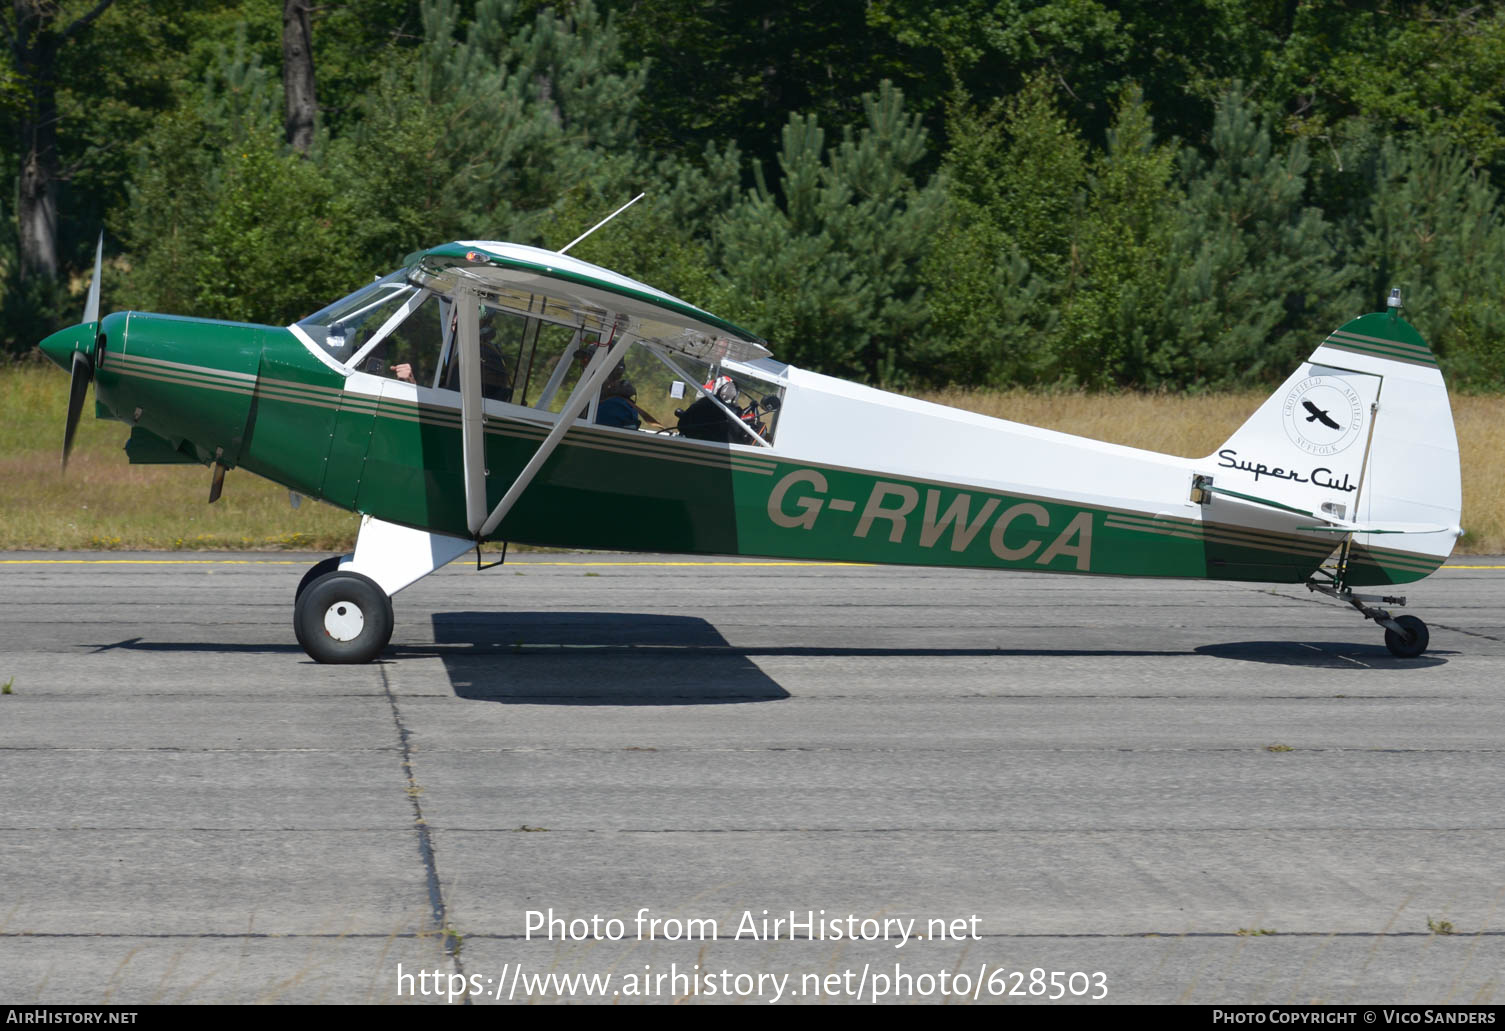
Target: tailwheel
{"x":343,"y":618}
{"x":1412,"y":642}
{"x":1405,"y":636}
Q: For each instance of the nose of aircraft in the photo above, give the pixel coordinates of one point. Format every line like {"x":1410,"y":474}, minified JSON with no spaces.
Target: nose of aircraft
{"x":60,"y":346}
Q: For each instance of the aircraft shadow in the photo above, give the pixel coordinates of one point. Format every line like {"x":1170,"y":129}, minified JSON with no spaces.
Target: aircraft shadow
{"x":592,"y":658}
{"x":1318,"y":655}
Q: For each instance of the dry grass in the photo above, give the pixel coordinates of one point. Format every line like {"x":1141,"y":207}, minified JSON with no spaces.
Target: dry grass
{"x":1480,"y":421}
{"x":1172,"y":424}
{"x":104,"y":503}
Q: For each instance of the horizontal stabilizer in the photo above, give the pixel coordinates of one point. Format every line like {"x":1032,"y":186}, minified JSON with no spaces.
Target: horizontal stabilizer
{"x":1330,"y":524}
{"x":1338,"y":526}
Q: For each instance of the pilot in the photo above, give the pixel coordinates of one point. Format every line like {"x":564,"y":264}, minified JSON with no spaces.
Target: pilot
{"x":496,"y":380}
{"x":705,"y":420}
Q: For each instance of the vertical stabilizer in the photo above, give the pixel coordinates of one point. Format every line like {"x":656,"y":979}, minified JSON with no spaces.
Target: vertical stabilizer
{"x":1362,"y":435}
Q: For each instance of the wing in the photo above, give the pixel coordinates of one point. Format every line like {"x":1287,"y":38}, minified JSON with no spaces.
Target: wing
{"x":546,"y":284}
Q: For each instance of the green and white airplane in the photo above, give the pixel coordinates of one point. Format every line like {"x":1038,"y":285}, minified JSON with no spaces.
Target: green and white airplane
{"x":483,"y":392}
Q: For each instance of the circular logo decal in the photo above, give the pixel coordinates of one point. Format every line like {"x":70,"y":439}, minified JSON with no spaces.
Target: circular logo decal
{"x":1323,"y":415}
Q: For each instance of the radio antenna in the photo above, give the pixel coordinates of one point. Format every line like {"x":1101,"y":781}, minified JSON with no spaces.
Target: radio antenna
{"x":601,"y":223}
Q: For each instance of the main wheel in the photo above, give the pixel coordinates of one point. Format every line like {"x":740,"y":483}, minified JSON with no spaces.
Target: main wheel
{"x":318,"y":569}
{"x":1413,"y":643}
{"x":343,"y":617}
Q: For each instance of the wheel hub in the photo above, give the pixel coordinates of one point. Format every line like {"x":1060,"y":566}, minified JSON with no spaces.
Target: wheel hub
{"x":344,"y":621}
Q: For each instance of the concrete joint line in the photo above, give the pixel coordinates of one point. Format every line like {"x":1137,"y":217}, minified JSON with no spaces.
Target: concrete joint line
{"x":438,"y":910}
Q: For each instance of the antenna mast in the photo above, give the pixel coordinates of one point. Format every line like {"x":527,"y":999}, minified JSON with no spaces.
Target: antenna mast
{"x":601,"y":223}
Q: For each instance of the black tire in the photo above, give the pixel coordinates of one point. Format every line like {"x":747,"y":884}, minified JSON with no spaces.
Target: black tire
{"x":1413,"y":643}
{"x":318,"y":569}
{"x":343,"y":618}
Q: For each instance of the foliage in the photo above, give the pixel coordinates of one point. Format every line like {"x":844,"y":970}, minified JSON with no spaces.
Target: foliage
{"x":986,"y":192}
{"x":1120,"y":271}
{"x":827,"y":260}
{"x":1435,"y":227}
{"x":1256,"y":286}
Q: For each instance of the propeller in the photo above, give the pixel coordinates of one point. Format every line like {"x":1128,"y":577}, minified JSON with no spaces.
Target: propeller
{"x":78,"y":387}
{"x":82,"y":371}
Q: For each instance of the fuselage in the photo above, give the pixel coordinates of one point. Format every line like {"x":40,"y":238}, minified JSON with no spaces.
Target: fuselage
{"x":854,"y":473}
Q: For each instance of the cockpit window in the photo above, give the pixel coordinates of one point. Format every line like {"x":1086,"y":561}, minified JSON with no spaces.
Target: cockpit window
{"x":410,"y":349}
{"x":344,"y":327}
{"x":396,"y":329}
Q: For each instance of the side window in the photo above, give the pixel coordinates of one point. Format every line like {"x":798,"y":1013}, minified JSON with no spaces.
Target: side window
{"x":501,"y":341}
{"x":558,"y":361}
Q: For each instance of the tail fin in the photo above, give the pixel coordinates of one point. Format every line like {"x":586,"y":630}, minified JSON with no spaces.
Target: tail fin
{"x":1361,"y":436}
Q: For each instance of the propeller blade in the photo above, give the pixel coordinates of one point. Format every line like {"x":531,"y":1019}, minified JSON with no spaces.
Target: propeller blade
{"x":78,"y":389}
{"x":91,"y":306}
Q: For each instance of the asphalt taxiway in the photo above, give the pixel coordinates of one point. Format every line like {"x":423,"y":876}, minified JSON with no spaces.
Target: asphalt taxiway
{"x":1204,"y":792}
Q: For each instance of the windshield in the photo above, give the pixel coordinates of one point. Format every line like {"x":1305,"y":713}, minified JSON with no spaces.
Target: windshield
{"x":344,"y":326}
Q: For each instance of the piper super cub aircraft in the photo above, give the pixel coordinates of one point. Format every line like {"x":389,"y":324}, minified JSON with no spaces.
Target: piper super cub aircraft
{"x":483,"y":392}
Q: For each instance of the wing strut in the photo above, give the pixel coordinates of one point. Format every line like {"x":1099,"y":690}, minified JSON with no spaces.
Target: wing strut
{"x":602,"y":362}
{"x":472,"y":414}
{"x":473,"y":431}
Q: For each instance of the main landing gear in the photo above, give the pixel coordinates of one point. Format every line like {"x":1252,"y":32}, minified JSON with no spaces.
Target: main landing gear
{"x":1405,"y":636}
{"x":342,"y":611}
{"x":341,"y":617}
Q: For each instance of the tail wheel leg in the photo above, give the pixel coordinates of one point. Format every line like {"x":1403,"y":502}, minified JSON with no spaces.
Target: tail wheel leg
{"x":1405,"y":636}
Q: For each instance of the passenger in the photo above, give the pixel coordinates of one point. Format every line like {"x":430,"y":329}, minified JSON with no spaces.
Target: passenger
{"x":615,"y":407}
{"x":705,"y":420}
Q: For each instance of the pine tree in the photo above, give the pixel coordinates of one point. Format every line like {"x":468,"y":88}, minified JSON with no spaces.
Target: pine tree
{"x":827,"y":262}
{"x":1434,"y":229}
{"x":989,"y":310}
{"x":1259,"y":283}
{"x":1116,"y":281}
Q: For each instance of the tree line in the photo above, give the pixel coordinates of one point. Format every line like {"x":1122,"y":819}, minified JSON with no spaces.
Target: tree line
{"x":989,"y":192}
